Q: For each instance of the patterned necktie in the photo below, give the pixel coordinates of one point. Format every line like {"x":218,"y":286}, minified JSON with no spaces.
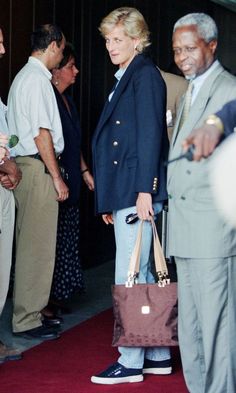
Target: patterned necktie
{"x":187,"y":104}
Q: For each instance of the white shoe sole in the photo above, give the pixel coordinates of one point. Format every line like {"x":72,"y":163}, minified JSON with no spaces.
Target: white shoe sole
{"x":112,"y":381}
{"x":158,"y":371}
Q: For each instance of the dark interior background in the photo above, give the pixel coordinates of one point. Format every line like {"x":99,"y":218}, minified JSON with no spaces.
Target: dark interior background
{"x":79,"y":20}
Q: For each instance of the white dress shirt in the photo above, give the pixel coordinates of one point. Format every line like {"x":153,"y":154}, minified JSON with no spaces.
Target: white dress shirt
{"x":3,"y":120}
{"x":32,"y":105}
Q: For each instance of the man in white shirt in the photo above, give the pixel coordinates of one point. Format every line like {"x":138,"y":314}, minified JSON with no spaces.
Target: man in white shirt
{"x":202,"y":243}
{"x":9,"y":178}
{"x":33,"y":116}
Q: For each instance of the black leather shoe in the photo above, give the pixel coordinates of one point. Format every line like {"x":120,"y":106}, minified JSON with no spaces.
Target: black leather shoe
{"x":41,"y":332}
{"x":52,"y":321}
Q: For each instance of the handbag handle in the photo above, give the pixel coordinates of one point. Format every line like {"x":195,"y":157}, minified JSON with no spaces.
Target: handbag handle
{"x":159,"y":259}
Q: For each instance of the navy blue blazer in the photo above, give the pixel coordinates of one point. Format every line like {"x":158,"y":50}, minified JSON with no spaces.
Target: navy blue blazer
{"x":130,"y":142}
{"x":70,"y":157}
{"x":228,"y":116}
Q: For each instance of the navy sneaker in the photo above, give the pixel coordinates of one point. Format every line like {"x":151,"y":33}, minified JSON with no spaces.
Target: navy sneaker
{"x":158,"y":367}
{"x":118,"y":374}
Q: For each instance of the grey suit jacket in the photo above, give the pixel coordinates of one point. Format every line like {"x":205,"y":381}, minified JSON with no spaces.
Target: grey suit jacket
{"x":195,"y":229}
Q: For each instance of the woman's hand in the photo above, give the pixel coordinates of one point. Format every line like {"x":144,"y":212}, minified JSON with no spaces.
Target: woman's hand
{"x":108,"y":219}
{"x":144,"y":206}
{"x":88,"y":179}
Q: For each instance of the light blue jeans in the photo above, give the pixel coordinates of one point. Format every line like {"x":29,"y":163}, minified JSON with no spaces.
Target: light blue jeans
{"x":125,"y":236}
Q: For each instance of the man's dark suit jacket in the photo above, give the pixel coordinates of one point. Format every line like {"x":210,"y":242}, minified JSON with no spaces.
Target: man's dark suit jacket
{"x":228,"y":116}
{"x":130,"y":142}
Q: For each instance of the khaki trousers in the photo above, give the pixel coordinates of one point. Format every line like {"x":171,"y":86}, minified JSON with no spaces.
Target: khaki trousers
{"x":7,"y":217}
{"x":36,"y":228}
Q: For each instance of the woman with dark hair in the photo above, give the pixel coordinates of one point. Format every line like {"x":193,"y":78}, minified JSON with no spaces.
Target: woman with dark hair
{"x":68,"y":275}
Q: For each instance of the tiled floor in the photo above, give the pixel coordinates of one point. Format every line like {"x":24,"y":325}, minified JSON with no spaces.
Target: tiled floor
{"x":97,"y":298}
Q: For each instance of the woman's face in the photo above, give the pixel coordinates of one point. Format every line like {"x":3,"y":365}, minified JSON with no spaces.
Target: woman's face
{"x":121,"y":47}
{"x":67,"y":74}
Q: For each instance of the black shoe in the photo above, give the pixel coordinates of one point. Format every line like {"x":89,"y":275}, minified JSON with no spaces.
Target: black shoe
{"x":41,"y":332}
{"x":118,"y":374}
{"x":54,"y":321}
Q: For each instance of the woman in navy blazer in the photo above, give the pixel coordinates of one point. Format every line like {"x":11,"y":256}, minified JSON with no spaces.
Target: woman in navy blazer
{"x":129,"y":146}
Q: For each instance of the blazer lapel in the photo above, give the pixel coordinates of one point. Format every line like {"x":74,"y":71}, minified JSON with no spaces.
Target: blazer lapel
{"x":110,"y":105}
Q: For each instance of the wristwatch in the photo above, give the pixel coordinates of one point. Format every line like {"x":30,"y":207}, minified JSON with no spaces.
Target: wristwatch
{"x":214,"y":120}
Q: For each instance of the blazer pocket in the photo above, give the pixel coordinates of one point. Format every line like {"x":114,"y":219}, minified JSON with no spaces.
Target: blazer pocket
{"x":132,"y":162}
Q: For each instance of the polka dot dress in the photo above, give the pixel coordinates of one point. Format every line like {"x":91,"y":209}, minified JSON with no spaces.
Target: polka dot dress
{"x":68,"y":275}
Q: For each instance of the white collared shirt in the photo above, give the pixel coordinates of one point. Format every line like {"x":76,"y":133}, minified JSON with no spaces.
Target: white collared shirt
{"x":4,"y":126}
{"x":32,"y":105}
{"x":3,"y":119}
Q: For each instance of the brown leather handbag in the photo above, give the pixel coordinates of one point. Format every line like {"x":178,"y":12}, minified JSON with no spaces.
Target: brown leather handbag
{"x":145,"y":314}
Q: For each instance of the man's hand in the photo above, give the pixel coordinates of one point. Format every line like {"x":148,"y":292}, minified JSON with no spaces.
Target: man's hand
{"x":61,"y":189}
{"x":11,"y":175}
{"x":7,"y":183}
{"x":3,"y":140}
{"x":3,"y":153}
{"x":45,"y":147}
{"x":204,"y":139}
{"x":3,"y":143}
{"x":144,"y":206}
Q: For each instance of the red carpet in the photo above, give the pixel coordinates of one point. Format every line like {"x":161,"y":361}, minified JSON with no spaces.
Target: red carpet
{"x":66,"y":365}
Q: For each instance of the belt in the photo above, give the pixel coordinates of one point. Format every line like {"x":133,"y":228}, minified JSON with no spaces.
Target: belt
{"x":62,"y":170}
{"x":38,"y":157}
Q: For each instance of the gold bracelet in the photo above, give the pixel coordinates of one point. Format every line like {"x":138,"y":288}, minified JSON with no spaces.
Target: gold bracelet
{"x":214,"y":120}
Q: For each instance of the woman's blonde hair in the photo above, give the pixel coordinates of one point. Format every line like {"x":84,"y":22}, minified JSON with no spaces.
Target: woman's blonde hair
{"x":133,"y":22}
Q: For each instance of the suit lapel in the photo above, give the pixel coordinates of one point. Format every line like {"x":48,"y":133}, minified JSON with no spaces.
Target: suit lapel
{"x":176,"y":128}
{"x":196,"y":112}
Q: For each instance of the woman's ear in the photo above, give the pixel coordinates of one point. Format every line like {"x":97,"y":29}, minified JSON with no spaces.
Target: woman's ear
{"x":136,"y":43}
{"x":55,"y":75}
